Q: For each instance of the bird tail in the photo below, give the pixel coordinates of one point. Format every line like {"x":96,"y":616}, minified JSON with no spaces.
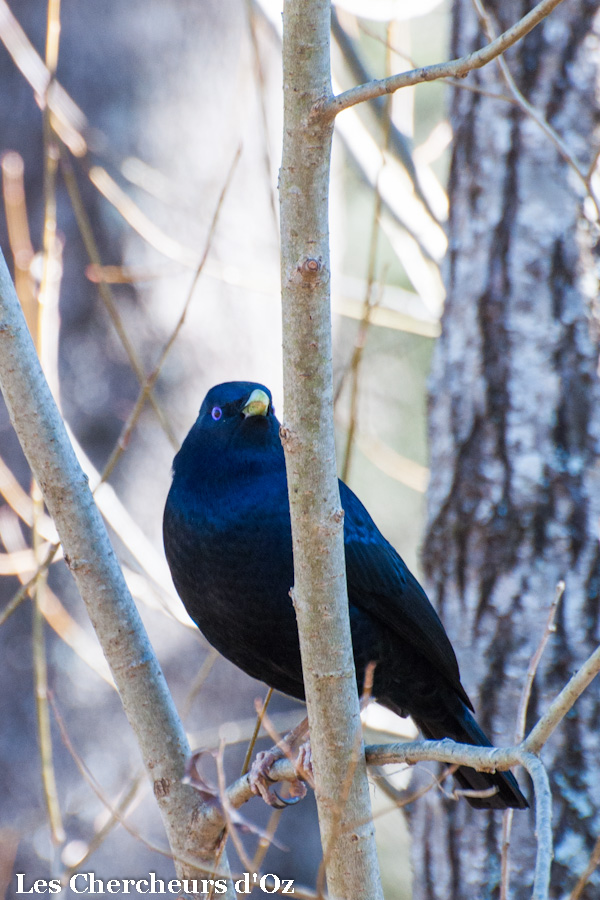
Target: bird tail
{"x":465,"y":730}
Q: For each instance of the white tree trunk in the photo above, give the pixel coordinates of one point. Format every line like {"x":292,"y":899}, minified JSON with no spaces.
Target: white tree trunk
{"x":514,"y":501}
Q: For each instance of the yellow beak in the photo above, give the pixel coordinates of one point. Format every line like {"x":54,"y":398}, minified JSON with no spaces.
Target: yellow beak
{"x":258,"y":404}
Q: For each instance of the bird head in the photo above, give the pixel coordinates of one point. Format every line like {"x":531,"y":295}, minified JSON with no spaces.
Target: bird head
{"x":236,"y":406}
{"x":236,"y":426}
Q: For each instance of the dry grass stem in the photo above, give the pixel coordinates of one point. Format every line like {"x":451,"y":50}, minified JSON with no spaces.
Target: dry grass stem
{"x":259,"y":720}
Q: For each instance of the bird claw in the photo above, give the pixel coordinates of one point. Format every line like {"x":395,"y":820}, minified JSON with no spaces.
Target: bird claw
{"x":279,"y":802}
{"x":261,"y":782}
{"x":303,"y":763}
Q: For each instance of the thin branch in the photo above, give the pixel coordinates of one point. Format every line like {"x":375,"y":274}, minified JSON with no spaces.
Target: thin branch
{"x":593,"y":164}
{"x":549,"y":630}
{"x":227,"y":808}
{"x":259,"y":720}
{"x":265,"y":841}
{"x":23,"y":591}
{"x":91,"y":558}
{"x":563,"y":703}
{"x":507,"y":822}
{"x":144,"y":226}
{"x":589,"y":869}
{"x":368,"y":303}
{"x":447,"y":751}
{"x":40,"y":670}
{"x":46,"y":339}
{"x":485,"y":759}
{"x":543,"y":823}
{"x":17,"y":225}
{"x":261,"y":89}
{"x":68,"y":120}
{"x":150,"y":381}
{"x":122,"y":808}
{"x":199,"y":681}
{"x":116,"y":812}
{"x":89,"y":241}
{"x":20,"y":502}
{"x":457,"y":68}
{"x":398,"y":142}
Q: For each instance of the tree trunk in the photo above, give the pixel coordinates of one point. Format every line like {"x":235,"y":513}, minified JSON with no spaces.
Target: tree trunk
{"x":514,"y":501}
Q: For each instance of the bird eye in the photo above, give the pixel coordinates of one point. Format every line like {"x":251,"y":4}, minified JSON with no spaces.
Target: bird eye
{"x":216,"y":413}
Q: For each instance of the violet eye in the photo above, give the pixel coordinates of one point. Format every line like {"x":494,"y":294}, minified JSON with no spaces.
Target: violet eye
{"x":216,"y":413}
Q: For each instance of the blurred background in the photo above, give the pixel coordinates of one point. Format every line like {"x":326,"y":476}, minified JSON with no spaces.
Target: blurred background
{"x":140,"y":146}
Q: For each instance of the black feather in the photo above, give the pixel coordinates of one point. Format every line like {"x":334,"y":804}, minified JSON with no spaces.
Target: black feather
{"x":228,"y":543}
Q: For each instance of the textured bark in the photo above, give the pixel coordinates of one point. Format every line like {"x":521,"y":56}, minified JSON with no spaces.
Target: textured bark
{"x":91,"y":558}
{"x":514,"y":500}
{"x":319,"y":592}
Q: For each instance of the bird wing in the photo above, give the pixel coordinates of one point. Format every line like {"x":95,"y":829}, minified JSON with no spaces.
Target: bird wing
{"x":380,"y":583}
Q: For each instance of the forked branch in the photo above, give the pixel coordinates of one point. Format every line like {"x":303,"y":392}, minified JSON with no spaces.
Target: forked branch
{"x":455,"y":68}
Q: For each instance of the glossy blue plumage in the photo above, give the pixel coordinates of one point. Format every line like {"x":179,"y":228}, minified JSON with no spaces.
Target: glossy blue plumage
{"x":228,"y":544}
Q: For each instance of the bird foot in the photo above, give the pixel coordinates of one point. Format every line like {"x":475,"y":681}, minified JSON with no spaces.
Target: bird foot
{"x":303,"y":763}
{"x":262,"y":784}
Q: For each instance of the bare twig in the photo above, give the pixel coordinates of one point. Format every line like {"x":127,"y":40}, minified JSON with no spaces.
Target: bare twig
{"x":507,"y":822}
{"x":457,"y":68}
{"x":139,"y":221}
{"x":122,"y":808}
{"x":368,"y":303}
{"x":67,"y":119}
{"x":393,"y":136}
{"x":13,"y":189}
{"x":88,"y":552}
{"x":549,"y":630}
{"x":543,"y":823}
{"x":563,"y":703}
{"x":259,"y":720}
{"x":46,"y":338}
{"x":261,"y":90}
{"x":592,"y":865}
{"x":20,"y":501}
{"x":87,"y":236}
{"x":227,"y":809}
{"x":23,"y":591}
{"x":199,"y":681}
{"x":149,"y":382}
{"x":116,"y":812}
{"x":405,"y":798}
{"x":40,"y":670}
{"x":265,"y":841}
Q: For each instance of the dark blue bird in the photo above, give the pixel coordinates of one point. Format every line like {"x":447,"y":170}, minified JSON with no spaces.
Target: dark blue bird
{"x":228,"y":543}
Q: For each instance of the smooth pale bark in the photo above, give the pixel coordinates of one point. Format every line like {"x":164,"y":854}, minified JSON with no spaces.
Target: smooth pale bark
{"x":319,"y":591}
{"x":514,"y":500}
{"x":92,"y":561}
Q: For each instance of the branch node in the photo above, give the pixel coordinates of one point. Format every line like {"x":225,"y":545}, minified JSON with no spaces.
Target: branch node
{"x":311,"y":267}
{"x":338,"y":515}
{"x":289,"y":439}
{"x":74,"y":562}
